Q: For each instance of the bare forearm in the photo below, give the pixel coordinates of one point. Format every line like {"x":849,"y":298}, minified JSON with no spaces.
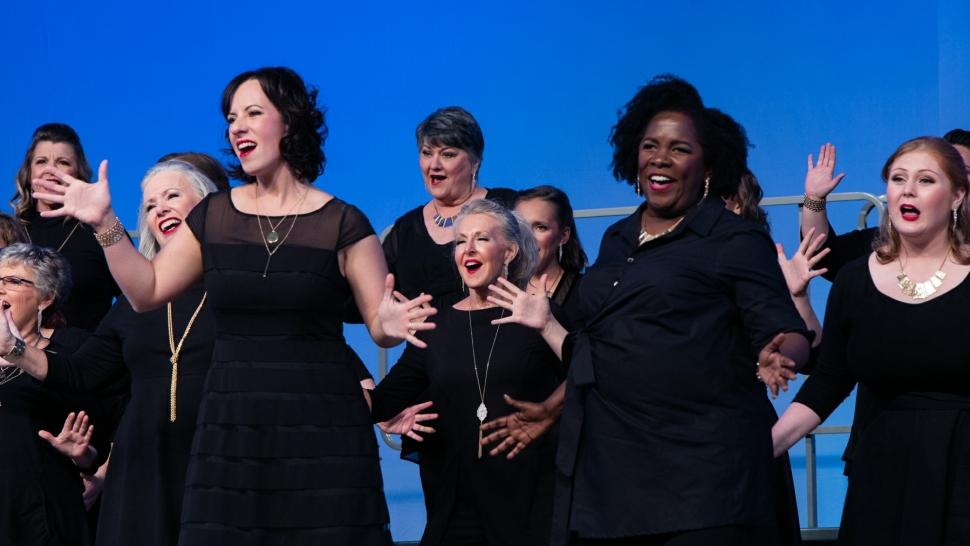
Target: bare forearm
{"x":554,"y":334}
{"x":797,"y":421}
{"x":132,"y":271}
{"x":555,"y":402}
{"x":819,"y":220}
{"x":804,"y":308}
{"x":33,"y":362}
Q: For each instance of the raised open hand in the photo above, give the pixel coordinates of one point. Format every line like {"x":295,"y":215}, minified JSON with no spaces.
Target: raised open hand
{"x":8,"y":336}
{"x":775,"y":369}
{"x":74,"y":441}
{"x":89,"y":203}
{"x":403,"y":318}
{"x":408,"y":422}
{"x":517,"y":430}
{"x":530,"y":310}
{"x":819,"y":181}
{"x":798,"y":271}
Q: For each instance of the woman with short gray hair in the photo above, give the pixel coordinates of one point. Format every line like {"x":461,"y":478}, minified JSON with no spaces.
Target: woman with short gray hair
{"x":470,"y":368}
{"x":40,"y":487}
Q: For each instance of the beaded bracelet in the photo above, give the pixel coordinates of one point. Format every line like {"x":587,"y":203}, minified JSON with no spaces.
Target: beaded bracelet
{"x":814,"y":205}
{"x":111,"y":235}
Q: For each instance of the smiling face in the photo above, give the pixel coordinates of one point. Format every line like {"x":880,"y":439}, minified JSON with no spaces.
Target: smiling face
{"x":543,"y":217}
{"x":671,"y":164}
{"x":167,"y":199}
{"x":24,"y":301}
{"x":255,"y":130}
{"x":448,"y":172}
{"x":920,"y":197}
{"x":481,"y":250}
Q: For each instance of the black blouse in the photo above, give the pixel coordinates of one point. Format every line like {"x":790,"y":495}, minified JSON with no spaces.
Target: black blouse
{"x":421,"y":265}
{"x":93,"y":287}
{"x":845,"y":248}
{"x":513,"y":497}
{"x":662,"y":387}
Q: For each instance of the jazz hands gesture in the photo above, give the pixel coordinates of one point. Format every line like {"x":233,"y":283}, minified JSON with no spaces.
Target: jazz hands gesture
{"x":74,"y":440}
{"x":409,"y":422}
{"x":798,"y":271}
{"x":819,"y":181}
{"x":89,"y":203}
{"x":403,"y":318}
{"x":775,"y":369}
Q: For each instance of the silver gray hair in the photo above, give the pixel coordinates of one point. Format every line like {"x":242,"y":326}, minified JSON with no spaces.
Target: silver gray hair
{"x":147,"y":244}
{"x":516,"y":230}
{"x":52,"y":271}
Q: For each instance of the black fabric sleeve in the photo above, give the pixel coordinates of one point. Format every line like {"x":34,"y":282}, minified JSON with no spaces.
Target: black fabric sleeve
{"x":831,"y":382}
{"x":196,"y":218}
{"x":749,"y":263}
{"x":402,"y":385}
{"x":354,"y":226}
{"x":845,"y":248}
{"x":96,"y":364}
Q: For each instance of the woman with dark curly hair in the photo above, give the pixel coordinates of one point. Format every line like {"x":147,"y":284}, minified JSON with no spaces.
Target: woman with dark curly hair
{"x":57,"y":146}
{"x":284,"y":451}
{"x":664,"y":434}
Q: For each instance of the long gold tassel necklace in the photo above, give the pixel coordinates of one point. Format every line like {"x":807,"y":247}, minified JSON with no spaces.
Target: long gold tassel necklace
{"x":176,"y":351}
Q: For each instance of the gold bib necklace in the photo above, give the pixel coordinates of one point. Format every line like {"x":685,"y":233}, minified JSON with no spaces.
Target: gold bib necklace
{"x":925,"y":289}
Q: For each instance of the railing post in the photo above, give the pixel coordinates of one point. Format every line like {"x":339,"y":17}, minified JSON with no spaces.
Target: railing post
{"x":810,"y":482}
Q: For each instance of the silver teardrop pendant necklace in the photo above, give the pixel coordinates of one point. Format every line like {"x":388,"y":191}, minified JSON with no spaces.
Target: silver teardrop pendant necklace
{"x":482,"y":411}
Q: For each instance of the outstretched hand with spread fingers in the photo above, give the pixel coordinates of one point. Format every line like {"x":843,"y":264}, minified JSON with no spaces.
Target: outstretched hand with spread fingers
{"x":819,"y":181}
{"x":517,"y":430}
{"x":409,"y":422}
{"x":402,"y":318}
{"x":530,"y":310}
{"x":74,"y":440}
{"x":89,"y":203}
{"x":798,"y":271}
{"x":775,"y":369}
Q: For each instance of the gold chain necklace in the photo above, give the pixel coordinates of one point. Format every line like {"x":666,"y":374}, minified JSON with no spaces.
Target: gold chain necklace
{"x":645,"y":237}
{"x":552,"y":286}
{"x":273,"y":237}
{"x":925,"y":289}
{"x":63,"y":243}
{"x":482,"y":411}
{"x":176,"y":350}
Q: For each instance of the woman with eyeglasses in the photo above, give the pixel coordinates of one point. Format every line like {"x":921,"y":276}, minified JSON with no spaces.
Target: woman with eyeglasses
{"x":40,"y":483}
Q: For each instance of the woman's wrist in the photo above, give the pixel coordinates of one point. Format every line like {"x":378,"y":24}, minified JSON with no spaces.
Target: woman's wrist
{"x":107,"y":221}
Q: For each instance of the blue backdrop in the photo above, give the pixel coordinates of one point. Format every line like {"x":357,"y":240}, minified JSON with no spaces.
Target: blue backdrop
{"x":544,"y":79}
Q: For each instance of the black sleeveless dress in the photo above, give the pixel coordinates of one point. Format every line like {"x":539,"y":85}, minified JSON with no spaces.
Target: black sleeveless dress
{"x":284,"y":451}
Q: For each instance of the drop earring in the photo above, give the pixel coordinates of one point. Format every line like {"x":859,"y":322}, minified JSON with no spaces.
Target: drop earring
{"x":955,"y":215}
{"x":505,"y":270}
{"x":707,"y":187}
{"x":560,"y":252}
{"x":636,"y":189}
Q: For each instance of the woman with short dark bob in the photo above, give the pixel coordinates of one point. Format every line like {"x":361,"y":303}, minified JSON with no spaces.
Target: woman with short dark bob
{"x":451,"y":147}
{"x":470,"y":363}
{"x":895,"y":325}
{"x":284,"y":449}
{"x":664,"y":436}
{"x":56,"y":146}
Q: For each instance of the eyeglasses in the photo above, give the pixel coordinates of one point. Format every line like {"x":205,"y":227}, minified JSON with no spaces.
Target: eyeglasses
{"x":12,"y":281}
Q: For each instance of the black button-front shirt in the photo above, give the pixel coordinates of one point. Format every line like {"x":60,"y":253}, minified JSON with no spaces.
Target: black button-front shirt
{"x":674,"y":432}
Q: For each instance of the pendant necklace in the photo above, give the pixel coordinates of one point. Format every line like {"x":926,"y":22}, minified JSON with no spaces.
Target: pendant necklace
{"x":176,"y":350}
{"x":63,"y":243}
{"x":925,"y":289}
{"x":273,"y":238}
{"x":482,"y":411}
{"x":442,"y":221}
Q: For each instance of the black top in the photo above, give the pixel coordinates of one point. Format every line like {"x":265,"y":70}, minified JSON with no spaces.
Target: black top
{"x":421,"y":265}
{"x":910,"y":439}
{"x":845,"y":248}
{"x":40,"y":489}
{"x":566,"y":297}
{"x":514,"y":498}
{"x":931,"y":356}
{"x":93,"y":287}
{"x":662,"y":383}
{"x":142,"y":496}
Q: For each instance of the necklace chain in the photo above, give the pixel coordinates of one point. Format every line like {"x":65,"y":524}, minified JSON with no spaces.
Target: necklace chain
{"x":482,"y":385}
{"x":924,"y":289}
{"x":272,"y":234}
{"x":552,"y":287}
{"x":10,"y":373}
{"x":176,"y":351}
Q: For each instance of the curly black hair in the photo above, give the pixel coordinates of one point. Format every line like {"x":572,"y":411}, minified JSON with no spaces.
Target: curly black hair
{"x":306,"y":128}
{"x":723,"y":141}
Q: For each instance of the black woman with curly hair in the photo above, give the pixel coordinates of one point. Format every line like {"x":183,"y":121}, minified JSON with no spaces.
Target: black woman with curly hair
{"x":284,"y":450}
{"x":664,"y":435}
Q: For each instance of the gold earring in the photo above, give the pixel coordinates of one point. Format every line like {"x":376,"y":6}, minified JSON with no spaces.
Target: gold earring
{"x":707,"y":187}
{"x":636,"y":189}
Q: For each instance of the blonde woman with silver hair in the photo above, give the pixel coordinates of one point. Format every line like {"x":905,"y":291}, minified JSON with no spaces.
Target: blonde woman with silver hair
{"x":469,"y":368}
{"x":165,"y":355}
